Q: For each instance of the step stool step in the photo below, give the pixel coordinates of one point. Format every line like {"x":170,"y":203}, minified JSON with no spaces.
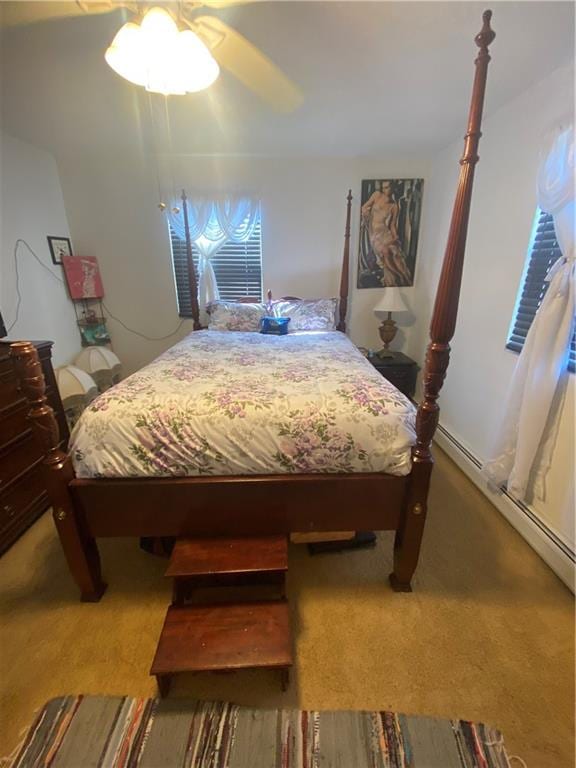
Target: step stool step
{"x":199,"y":638}
{"x":223,"y":556}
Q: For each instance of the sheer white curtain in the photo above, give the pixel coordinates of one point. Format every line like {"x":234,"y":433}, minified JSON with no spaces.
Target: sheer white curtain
{"x":531,"y":415}
{"x":212,"y":223}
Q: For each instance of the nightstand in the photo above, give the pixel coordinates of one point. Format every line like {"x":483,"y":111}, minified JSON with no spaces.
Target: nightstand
{"x":399,"y":369}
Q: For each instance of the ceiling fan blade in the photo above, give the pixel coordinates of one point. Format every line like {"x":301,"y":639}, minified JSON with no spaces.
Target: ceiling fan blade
{"x":255,"y":70}
{"x":18,"y":13}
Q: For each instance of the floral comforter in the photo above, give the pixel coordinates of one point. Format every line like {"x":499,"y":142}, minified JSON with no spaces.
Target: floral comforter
{"x":223,"y":403}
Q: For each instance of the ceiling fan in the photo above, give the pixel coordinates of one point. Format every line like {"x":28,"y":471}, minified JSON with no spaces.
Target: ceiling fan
{"x":229,"y":48}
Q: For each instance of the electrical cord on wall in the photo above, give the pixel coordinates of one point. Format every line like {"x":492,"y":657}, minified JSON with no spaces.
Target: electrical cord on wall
{"x":142,"y":335}
{"x":18,"y":294}
{"x":19,"y":242}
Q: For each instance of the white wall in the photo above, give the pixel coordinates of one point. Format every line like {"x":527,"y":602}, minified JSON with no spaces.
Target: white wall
{"x":112,"y":209}
{"x":503,"y":207}
{"x":32,"y":207}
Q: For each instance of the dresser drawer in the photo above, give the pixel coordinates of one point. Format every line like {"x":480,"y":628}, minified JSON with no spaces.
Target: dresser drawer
{"x":401,"y":374}
{"x":9,"y":389}
{"x":13,"y":422}
{"x":27,"y":492}
{"x":5,"y":362}
{"x":403,"y":379}
{"x":23,"y":497}
{"x":17,"y":459}
{"x":20,"y":506}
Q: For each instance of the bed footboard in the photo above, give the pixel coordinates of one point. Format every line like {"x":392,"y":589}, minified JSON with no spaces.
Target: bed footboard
{"x":250,"y":505}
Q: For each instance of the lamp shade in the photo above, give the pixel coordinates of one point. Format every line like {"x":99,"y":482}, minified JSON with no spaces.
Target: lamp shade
{"x":102,"y":364}
{"x":392,"y":301}
{"x":77,"y":389}
{"x":74,"y":382}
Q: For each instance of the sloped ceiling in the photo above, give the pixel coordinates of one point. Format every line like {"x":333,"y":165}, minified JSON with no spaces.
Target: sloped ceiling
{"x":376,"y":76}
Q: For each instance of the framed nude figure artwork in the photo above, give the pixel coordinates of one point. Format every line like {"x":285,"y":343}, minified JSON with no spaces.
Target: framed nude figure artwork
{"x":389,"y":225}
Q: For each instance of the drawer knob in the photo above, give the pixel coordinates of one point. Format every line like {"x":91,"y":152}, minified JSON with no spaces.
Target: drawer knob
{"x":60,"y":514}
{"x":9,"y":509}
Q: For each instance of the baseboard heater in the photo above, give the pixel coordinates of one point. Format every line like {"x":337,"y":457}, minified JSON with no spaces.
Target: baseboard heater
{"x":548,"y":532}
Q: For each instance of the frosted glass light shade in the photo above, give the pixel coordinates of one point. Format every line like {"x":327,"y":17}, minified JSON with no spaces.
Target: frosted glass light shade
{"x":392,"y":301}
{"x":158,"y":56}
{"x":126,"y":55}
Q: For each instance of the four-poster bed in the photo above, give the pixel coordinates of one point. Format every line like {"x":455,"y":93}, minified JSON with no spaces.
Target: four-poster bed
{"x":86,"y":509}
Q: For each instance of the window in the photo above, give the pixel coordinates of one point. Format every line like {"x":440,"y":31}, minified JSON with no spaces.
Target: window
{"x":237,"y":266}
{"x":542,"y":253}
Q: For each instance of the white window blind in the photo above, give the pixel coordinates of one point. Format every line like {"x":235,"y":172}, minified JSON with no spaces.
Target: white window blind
{"x":542,"y":253}
{"x":237,"y":266}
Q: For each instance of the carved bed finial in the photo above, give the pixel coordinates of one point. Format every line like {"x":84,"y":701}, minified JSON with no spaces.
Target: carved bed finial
{"x":486,"y":35}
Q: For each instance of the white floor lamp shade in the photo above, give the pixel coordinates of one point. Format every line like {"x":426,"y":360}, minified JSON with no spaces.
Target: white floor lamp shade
{"x":77,"y":389}
{"x":102,"y":364}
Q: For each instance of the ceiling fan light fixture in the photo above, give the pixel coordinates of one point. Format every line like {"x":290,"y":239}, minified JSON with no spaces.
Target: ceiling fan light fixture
{"x":160,"y":57}
{"x":126,"y":55}
{"x":199,"y":68}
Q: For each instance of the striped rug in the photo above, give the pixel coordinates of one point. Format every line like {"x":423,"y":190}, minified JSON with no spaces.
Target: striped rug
{"x":108,"y":732}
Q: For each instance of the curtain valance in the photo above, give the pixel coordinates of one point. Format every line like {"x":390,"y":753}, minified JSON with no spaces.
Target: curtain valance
{"x":212,"y":222}
{"x":217,"y":219}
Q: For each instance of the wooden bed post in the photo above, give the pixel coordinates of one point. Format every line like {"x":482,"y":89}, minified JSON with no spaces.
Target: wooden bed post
{"x":79,"y":547}
{"x":443,"y":324}
{"x":344,"y":276}
{"x":192,"y":284}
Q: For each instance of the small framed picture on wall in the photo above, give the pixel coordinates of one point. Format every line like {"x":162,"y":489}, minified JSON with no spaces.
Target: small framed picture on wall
{"x":59,"y":247}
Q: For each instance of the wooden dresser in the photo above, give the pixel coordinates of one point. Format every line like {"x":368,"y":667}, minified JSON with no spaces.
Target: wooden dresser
{"x":23,"y":497}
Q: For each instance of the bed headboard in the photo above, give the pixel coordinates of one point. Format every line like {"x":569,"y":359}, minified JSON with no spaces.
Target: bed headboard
{"x":344,"y":274}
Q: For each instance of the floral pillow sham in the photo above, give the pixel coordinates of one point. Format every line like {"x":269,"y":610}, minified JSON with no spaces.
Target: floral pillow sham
{"x":308,"y":314}
{"x":235,"y":316}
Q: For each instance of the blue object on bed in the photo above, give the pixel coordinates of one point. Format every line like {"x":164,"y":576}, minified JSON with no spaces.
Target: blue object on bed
{"x":275,"y":325}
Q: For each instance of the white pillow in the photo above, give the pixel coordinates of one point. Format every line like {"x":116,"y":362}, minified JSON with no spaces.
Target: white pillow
{"x":308,"y":314}
{"x":235,"y":316}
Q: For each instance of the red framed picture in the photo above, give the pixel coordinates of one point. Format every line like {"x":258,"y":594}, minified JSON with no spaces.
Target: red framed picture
{"x":83,"y":277}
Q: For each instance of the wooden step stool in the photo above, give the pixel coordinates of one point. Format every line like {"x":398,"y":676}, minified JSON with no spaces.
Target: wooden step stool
{"x":227,"y":562}
{"x":226,"y":636}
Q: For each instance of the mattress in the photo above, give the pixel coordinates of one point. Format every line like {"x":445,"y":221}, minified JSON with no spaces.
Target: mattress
{"x":232,"y":403}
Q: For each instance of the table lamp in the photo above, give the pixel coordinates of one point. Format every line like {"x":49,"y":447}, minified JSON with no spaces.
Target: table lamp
{"x":392,"y":301}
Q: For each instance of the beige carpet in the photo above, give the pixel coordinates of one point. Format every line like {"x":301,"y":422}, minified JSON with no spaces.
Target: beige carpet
{"x":487,"y":634}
